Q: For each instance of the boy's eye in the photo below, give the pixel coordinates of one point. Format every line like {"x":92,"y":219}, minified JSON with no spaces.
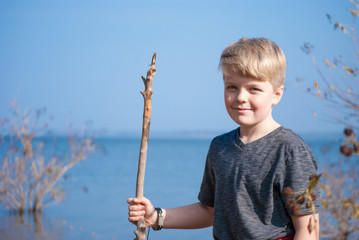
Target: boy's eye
{"x":255,"y":89}
{"x":231,"y":87}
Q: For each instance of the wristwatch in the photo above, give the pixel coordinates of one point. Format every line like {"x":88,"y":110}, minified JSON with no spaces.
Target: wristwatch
{"x":160,"y":219}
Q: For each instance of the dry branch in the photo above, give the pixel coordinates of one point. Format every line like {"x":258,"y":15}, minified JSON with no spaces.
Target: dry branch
{"x":338,"y":88}
{"x":28,"y":175}
{"x":147,"y":96}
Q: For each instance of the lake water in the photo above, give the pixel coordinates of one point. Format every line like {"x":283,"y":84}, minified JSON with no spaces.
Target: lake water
{"x":97,"y":189}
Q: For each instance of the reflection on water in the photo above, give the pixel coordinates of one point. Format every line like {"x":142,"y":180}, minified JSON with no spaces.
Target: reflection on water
{"x":15,"y":226}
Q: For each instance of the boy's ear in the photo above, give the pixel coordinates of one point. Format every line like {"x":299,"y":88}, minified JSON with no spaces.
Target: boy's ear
{"x":277,"y":95}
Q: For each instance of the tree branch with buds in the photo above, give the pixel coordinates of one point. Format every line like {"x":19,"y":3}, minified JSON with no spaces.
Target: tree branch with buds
{"x":147,"y":97}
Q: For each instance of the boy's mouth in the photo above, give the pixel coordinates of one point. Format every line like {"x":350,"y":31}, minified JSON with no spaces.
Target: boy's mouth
{"x":241,"y":109}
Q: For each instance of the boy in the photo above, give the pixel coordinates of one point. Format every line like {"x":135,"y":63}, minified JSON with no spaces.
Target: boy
{"x":242,"y":193}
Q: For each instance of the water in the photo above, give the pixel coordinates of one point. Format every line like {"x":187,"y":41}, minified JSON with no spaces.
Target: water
{"x":97,"y":189}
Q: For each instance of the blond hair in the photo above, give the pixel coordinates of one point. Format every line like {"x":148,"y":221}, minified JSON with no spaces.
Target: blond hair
{"x":259,"y":58}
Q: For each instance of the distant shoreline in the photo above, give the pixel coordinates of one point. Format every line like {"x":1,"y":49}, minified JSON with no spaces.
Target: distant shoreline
{"x":184,"y":134}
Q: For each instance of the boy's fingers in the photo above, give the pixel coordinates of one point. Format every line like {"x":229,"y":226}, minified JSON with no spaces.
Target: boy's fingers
{"x":144,"y":201}
{"x":136,"y":213}
{"x":134,"y":220}
{"x":131,"y":200}
{"x":139,"y":200}
{"x":136,"y":207}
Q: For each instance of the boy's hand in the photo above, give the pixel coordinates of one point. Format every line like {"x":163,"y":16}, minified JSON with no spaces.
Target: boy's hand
{"x":142,"y":207}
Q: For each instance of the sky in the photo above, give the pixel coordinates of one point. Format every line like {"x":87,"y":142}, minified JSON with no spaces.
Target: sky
{"x":83,"y":60}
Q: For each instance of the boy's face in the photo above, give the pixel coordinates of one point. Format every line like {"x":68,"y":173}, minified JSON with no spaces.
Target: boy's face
{"x":248,"y":100}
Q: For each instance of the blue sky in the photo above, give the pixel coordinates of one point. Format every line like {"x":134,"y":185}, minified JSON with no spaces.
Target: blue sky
{"x":83,"y":60}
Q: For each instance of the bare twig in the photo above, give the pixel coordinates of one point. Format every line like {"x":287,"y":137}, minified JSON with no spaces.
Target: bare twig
{"x":147,"y":96}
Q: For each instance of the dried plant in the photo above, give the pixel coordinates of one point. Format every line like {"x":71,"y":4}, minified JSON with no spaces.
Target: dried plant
{"x":338,"y":88}
{"x":340,"y":215}
{"x":338,"y":85}
{"x":306,"y":198}
{"x":29,"y":172}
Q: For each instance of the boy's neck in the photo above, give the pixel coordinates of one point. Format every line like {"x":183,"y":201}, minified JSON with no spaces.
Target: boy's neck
{"x":250,"y":134}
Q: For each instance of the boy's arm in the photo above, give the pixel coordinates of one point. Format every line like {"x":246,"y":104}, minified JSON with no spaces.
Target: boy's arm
{"x":191,"y":216}
{"x":301,"y":227}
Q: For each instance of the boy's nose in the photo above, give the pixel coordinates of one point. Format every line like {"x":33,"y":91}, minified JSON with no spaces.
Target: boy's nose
{"x":242,"y":96}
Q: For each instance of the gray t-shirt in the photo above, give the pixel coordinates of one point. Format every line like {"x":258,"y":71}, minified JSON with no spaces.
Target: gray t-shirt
{"x":245,"y":182}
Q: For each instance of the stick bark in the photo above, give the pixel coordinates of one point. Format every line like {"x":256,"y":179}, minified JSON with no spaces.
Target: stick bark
{"x":147,"y":96}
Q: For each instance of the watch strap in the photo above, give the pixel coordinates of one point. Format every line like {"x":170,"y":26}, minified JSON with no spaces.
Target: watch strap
{"x":160,"y":219}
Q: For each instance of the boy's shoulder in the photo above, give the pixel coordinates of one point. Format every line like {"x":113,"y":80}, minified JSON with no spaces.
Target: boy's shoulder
{"x":286,"y":135}
{"x":289,"y":137}
{"x":226,"y":137}
{"x":287,"y":140}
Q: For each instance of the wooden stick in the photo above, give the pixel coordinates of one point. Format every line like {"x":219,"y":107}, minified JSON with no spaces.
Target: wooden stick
{"x":147,"y":96}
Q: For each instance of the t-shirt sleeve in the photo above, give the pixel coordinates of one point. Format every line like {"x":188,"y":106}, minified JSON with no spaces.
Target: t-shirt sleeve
{"x":299,"y":167}
{"x":206,"y":194}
